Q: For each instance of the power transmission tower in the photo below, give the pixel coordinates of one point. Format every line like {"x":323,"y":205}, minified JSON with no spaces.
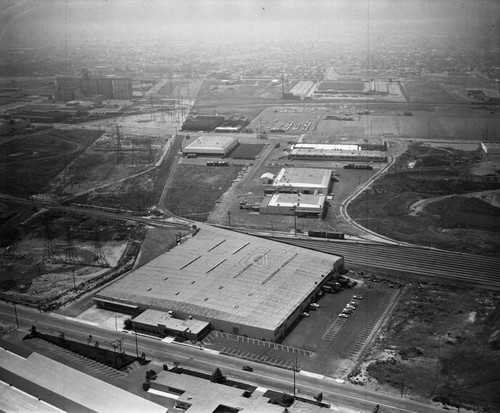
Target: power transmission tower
{"x":49,"y":247}
{"x":153,"y":117}
{"x":71,"y":257}
{"x":150,"y":153}
{"x":119,"y":151}
{"x":99,"y":257}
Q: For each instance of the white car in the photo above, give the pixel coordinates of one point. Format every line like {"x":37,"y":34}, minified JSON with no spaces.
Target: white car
{"x":305,"y":314}
{"x":357,"y":297}
{"x":343,"y":315}
{"x":315,"y":305}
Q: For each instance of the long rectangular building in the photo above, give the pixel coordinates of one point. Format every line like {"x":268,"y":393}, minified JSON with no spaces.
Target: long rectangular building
{"x":238,"y":283}
{"x":347,"y":153}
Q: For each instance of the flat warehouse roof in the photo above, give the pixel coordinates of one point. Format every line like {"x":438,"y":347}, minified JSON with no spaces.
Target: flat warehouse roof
{"x":155,"y":318}
{"x":299,"y":177}
{"x":216,"y":142}
{"x":225,"y":275}
{"x":300,"y":201}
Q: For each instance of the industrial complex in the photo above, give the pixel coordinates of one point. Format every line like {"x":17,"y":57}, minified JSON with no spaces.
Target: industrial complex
{"x":238,"y":283}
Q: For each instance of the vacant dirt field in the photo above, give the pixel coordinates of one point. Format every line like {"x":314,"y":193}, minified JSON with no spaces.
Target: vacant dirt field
{"x":441,"y":343}
{"x":385,"y":207}
{"x":196,"y":188}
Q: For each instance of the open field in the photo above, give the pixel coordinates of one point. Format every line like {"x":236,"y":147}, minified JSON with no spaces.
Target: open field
{"x":436,"y":172}
{"x":441,"y":343}
{"x":28,"y":162}
{"x":213,"y":97}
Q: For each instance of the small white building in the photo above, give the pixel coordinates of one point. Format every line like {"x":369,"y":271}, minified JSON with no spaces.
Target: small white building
{"x":267,"y":178}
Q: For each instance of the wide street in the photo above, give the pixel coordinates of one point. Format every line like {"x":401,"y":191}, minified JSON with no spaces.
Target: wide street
{"x":343,"y":396}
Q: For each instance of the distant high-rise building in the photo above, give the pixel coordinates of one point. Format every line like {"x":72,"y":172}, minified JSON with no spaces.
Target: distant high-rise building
{"x":122,"y":88}
{"x":73,"y":87}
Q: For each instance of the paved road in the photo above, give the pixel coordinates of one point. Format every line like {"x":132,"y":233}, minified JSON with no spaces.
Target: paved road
{"x":340,"y":395}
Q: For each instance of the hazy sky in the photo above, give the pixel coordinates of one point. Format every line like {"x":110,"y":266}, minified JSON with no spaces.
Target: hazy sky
{"x":45,"y":22}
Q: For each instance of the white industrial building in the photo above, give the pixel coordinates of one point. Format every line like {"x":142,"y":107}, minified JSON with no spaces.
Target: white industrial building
{"x":211,"y":145}
{"x":238,"y":283}
{"x":305,"y":180}
{"x":336,"y":152}
{"x":301,"y":205}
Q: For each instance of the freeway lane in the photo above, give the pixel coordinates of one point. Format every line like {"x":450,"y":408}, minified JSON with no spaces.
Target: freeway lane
{"x":340,"y":395}
{"x":476,"y":269}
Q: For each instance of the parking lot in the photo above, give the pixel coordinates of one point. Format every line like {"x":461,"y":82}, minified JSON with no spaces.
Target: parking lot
{"x":323,"y":342}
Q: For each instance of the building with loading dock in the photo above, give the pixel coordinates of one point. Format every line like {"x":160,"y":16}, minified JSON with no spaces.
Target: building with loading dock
{"x":238,"y":283}
{"x":211,"y":145}
{"x":304,"y":180}
{"x":301,"y":205}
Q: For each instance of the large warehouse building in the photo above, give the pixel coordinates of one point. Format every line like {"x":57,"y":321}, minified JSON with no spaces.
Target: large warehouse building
{"x":306,"y":180}
{"x":238,"y":283}
{"x":211,"y":145}
{"x":335,"y":152}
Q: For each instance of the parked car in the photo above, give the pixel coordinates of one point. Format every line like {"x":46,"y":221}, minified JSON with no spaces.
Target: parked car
{"x":247,"y":368}
{"x":315,"y":305}
{"x":343,"y":315}
{"x":305,"y":314}
{"x":357,"y":297}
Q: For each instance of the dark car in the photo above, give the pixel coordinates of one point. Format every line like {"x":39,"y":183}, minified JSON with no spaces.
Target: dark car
{"x":247,"y":368}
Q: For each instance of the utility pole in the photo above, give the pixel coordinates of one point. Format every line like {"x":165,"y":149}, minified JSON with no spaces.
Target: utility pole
{"x":229,"y":217}
{"x":136,"y":345}
{"x":402,"y":387}
{"x":294,"y":370}
{"x":74,"y":282}
{"x":15,"y":312}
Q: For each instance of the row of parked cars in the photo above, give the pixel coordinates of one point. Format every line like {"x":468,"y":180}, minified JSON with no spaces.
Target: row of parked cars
{"x":351,"y":306}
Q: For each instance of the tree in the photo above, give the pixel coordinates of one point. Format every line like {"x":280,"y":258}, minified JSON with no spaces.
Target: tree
{"x":376,"y":409}
{"x":127,"y":324}
{"x":319,"y":397}
{"x":33,"y":331}
{"x":96,"y":345}
{"x":287,"y":400}
{"x":150,"y":375}
{"x":89,"y":339}
{"x":218,"y":377}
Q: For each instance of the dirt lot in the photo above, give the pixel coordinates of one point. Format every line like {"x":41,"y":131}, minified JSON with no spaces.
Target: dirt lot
{"x":424,"y":173}
{"x":196,"y":188}
{"x":442,"y":343}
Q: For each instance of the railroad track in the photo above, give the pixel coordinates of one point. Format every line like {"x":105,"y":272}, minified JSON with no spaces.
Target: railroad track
{"x":476,"y":269}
